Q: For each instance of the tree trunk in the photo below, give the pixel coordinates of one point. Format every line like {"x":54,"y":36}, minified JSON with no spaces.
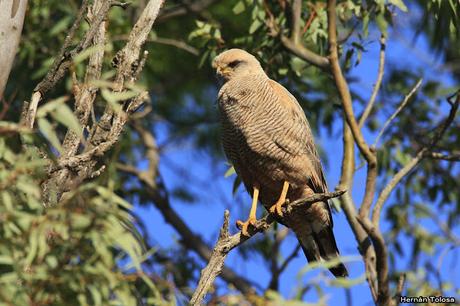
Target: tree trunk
{"x":11,"y":20}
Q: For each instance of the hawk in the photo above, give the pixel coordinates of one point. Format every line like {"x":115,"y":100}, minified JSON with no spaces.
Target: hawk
{"x":267,"y":139}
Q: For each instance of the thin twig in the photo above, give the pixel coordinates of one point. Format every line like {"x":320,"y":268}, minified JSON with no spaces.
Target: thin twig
{"x":398,"y":110}
{"x":377,"y":84}
{"x":399,"y":289}
{"x":226,"y":243}
{"x":455,"y":157}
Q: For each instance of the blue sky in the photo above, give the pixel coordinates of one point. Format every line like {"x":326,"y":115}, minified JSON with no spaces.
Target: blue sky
{"x":182,"y":165}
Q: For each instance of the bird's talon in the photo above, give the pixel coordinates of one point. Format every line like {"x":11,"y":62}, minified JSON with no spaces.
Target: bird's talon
{"x":277,"y":209}
{"x":243,"y":226}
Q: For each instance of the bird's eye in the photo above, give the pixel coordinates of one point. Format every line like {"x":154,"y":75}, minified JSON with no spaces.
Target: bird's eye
{"x":234,"y":64}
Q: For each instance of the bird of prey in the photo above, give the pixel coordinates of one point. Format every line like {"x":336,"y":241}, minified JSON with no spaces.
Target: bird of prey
{"x":267,"y":139}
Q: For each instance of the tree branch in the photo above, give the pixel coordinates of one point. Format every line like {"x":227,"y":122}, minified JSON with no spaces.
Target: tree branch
{"x":344,"y":92}
{"x":11,"y":21}
{"x":226,"y":243}
{"x":440,"y":130}
{"x":365,"y":246}
{"x":455,"y":157}
{"x":377,"y":84}
{"x":159,"y":196}
{"x":398,"y":110}
{"x":64,"y":59}
{"x":383,"y":296}
{"x":294,"y":44}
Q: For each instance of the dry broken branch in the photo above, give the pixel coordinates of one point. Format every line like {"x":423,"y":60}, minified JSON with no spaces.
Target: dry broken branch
{"x":73,"y":167}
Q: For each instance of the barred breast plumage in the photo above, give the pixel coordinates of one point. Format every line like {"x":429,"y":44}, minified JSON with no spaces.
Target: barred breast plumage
{"x":267,"y":138}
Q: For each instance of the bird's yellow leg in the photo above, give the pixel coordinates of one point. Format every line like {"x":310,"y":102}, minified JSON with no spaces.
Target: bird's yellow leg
{"x":282,"y":199}
{"x":252,"y":214}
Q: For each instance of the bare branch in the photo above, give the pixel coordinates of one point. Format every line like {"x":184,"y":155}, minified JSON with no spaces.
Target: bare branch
{"x":398,"y":110}
{"x":440,"y":130}
{"x":64,"y":59}
{"x":185,"y":8}
{"x":176,"y":43}
{"x":227,"y":243}
{"x":377,"y":84}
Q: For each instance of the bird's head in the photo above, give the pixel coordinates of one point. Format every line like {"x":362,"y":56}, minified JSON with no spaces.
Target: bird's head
{"x":235,"y":63}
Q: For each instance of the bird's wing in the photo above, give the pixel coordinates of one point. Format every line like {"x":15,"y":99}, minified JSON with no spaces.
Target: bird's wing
{"x":298,"y":139}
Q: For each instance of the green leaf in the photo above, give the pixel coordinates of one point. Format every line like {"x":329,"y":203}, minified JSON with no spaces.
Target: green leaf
{"x":5,"y":260}
{"x":399,"y":4}
{"x":48,"y":131}
{"x":381,"y":23}
{"x":50,"y":106}
{"x":239,"y":8}
{"x":60,"y":26}
{"x":80,"y":57}
{"x":365,"y":24}
{"x":348,"y":282}
{"x":229,"y":172}
{"x":254,"y":26}
{"x":66,"y":117}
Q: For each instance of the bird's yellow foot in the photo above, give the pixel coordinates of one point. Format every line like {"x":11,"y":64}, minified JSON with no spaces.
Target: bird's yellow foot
{"x":277,"y":208}
{"x":243,"y":226}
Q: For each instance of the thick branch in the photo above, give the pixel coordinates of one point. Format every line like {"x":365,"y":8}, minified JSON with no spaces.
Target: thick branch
{"x":306,"y":54}
{"x":383,"y":297}
{"x":227,"y":243}
{"x":352,"y":127}
{"x":345,"y":96}
{"x":346,"y":179}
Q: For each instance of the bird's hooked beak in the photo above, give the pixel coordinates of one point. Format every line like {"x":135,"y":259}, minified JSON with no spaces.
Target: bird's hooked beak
{"x":221,"y":72}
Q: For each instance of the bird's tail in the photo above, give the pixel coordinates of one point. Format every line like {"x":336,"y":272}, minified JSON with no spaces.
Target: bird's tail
{"x":321,"y":246}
